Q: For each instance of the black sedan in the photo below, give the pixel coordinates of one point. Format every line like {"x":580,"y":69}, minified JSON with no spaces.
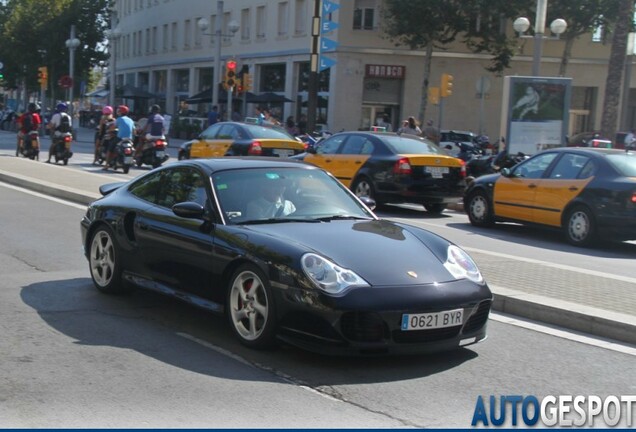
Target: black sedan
{"x":392,"y":168}
{"x":589,"y":193}
{"x":288,"y":254}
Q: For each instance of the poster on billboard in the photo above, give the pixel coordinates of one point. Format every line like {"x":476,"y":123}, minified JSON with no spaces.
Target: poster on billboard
{"x":535,"y":113}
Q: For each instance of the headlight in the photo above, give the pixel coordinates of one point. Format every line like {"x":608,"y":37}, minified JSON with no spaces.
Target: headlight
{"x":328,"y":276}
{"x":462,"y":266}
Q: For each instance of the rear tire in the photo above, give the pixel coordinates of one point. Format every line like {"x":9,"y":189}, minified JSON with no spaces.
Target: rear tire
{"x":105,"y":262}
{"x":364,"y":187}
{"x":436,"y":208}
{"x":126,"y":168}
{"x":479,"y":209}
{"x":580,"y":227}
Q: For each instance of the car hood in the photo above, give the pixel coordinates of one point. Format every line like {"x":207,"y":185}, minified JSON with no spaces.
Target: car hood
{"x":382,"y":252}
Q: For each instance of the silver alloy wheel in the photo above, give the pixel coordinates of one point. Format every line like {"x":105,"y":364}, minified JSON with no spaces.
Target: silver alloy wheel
{"x":249,"y":305}
{"x":102,"y":258}
{"x":478,"y":208}
{"x":579,"y":226}
{"x":363,"y":189}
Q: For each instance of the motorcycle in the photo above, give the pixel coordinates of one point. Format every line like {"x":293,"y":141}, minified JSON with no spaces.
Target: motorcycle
{"x":62,"y":150}
{"x":124,"y":152}
{"x":28,"y":150}
{"x":483,"y":165}
{"x":153,"y":152}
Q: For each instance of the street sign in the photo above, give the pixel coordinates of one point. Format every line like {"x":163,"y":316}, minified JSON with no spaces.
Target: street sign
{"x":325,"y":63}
{"x":327,"y":44}
{"x":329,"y":6}
{"x":329,"y":26}
{"x":65,"y":81}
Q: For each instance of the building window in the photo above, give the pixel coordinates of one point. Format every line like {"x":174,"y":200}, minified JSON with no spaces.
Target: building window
{"x":198,"y":33}
{"x":364,"y":15}
{"x":245,"y":24}
{"x":260,"y":22}
{"x":300,"y":21}
{"x":153,"y":41}
{"x":272,"y":77}
{"x":187,"y":34}
{"x":283,"y":18}
{"x":165,"y":37}
{"x":182,"y":80}
{"x":148,"y":41}
{"x":174,"y":36}
{"x":598,"y":34}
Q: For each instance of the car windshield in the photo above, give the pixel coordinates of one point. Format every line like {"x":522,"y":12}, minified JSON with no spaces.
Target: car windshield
{"x":406,"y":145}
{"x":268,"y":132}
{"x":625,"y":163}
{"x":284,"y":195}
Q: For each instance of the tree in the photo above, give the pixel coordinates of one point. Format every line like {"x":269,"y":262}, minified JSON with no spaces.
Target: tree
{"x":618,"y":53}
{"x":34,"y":33}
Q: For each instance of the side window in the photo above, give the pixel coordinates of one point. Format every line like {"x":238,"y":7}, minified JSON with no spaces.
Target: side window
{"x":357,"y":145}
{"x":228,"y":132}
{"x":149,"y":188}
{"x":211,"y":132}
{"x":589,"y":169}
{"x":181,"y":185}
{"x":331,"y":145}
{"x":535,"y":167}
{"x":568,"y":167}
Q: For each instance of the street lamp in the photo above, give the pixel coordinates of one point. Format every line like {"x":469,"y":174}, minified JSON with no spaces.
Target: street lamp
{"x":233,"y":27}
{"x":522,"y":24}
{"x":72,"y":43}
{"x":112,"y":35}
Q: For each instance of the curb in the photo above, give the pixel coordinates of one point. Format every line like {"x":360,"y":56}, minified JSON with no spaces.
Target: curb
{"x":74,"y":195}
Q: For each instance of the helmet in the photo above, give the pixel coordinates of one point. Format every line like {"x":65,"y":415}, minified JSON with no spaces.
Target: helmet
{"x":33,"y":107}
{"x":107,"y":110}
{"x":123,"y":109}
{"x":61,"y":107}
{"x":155,"y":109}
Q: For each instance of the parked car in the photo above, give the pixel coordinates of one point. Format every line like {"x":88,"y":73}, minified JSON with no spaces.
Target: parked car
{"x":588,"y":193}
{"x":241,"y":139}
{"x":392,"y":168}
{"x":328,"y":275}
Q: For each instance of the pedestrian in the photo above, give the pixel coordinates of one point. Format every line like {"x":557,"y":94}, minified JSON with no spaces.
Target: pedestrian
{"x":213,"y":115}
{"x":431,"y":132}
{"x":629,"y":139}
{"x":236,"y":115}
{"x":290,"y":126}
{"x":410,"y":127}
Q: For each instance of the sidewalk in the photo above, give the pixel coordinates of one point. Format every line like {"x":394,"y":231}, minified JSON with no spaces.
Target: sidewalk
{"x":586,"y":301}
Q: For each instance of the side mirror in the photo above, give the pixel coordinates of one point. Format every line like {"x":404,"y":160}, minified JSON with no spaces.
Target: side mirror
{"x":369,"y":202}
{"x":311,"y":150}
{"x":505,"y":172}
{"x":189,"y":210}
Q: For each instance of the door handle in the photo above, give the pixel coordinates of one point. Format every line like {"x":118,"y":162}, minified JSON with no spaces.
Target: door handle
{"x":532,"y":185}
{"x":143,"y":226}
{"x":327,"y":160}
{"x":358,"y":162}
{"x":573,"y":188}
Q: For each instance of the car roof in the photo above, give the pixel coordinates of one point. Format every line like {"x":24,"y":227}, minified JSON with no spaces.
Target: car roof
{"x":595,"y":150}
{"x":212,"y":165}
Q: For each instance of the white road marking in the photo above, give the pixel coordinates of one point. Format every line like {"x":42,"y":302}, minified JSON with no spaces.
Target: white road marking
{"x":41,"y":195}
{"x":563,"y":334}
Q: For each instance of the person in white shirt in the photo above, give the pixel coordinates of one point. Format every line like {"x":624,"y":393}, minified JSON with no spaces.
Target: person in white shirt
{"x":271,"y":203}
{"x":629,"y":139}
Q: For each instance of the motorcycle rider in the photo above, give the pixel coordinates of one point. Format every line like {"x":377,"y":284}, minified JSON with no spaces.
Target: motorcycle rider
{"x":125,"y":127}
{"x":104,"y":131}
{"x":29,"y":120}
{"x":60,"y":123}
{"x":154,"y":129}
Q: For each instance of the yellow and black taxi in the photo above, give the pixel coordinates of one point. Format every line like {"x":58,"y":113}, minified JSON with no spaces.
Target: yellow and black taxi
{"x":588,"y":193}
{"x":391,"y":168}
{"x":241,"y":139}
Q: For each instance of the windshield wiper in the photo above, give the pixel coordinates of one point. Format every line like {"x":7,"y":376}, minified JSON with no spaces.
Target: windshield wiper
{"x":341,"y":217}
{"x":275,"y":220}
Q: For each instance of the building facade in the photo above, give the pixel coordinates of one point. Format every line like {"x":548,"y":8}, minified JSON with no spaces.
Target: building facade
{"x":163,"y":50}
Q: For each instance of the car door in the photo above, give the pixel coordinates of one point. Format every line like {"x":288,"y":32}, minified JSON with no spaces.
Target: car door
{"x":352,"y":155}
{"x":514,"y":194}
{"x":178,"y":251}
{"x":325,"y":156}
{"x":213,"y":142}
{"x":565,"y":180}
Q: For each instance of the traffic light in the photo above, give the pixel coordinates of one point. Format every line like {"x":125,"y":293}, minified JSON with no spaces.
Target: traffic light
{"x":433,"y":95}
{"x":230,"y":73}
{"x":446,"y":89}
{"x":43,"y":76}
{"x":240,"y":77}
{"x":247,"y":82}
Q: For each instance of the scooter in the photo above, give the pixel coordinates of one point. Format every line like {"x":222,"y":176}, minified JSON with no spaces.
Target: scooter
{"x":124,"y":155}
{"x":28,"y":150}
{"x":62,"y":150}
{"x":153,"y":152}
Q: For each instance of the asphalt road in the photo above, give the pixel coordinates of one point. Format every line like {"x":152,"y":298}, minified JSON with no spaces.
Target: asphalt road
{"x":73,"y":357}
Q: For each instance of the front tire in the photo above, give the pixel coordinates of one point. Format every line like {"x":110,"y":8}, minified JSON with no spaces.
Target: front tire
{"x":479,"y":209}
{"x":105,"y":262}
{"x":580,"y":227}
{"x":126,"y":169}
{"x":436,"y":208}
{"x":250,"y":308}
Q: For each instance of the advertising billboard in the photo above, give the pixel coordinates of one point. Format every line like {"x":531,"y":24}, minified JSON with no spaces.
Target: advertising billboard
{"x":535,"y":113}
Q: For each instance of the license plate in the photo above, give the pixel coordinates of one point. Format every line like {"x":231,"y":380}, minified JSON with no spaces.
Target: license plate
{"x":437,"y":172}
{"x":283,"y":152}
{"x":160,"y":153}
{"x":433,"y":320}
{"x":128,"y":160}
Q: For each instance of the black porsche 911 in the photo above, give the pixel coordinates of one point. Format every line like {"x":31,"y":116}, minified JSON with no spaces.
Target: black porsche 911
{"x":288,"y":254}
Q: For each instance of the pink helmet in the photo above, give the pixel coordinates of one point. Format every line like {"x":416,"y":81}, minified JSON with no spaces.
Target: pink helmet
{"x":107,"y":110}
